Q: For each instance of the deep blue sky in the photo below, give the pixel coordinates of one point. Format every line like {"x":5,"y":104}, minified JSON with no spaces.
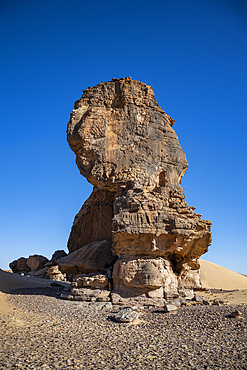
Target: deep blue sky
{"x":193,"y":53}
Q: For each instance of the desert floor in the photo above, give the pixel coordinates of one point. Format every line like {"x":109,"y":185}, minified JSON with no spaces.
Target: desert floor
{"x":39,"y":331}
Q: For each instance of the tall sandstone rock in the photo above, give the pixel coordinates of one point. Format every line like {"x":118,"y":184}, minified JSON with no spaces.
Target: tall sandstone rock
{"x":126,"y":147}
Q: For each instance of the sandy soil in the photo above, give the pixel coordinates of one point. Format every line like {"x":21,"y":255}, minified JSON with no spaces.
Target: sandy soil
{"x":10,"y":281}
{"x":39,"y":331}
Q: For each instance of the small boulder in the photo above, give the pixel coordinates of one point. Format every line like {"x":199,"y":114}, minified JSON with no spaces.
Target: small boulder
{"x":41,"y":273}
{"x":58,"y":254}
{"x":170,"y":308}
{"x":235,"y":314}
{"x":197,"y":298}
{"x":126,"y":315}
{"x":36,"y":262}
{"x":93,"y":257}
{"x":55,"y":274}
{"x":186,"y":293}
{"x":19,"y":265}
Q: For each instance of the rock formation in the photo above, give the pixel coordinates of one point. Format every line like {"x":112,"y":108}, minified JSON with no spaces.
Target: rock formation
{"x":36,"y":262}
{"x":20,"y":265}
{"x":93,"y":257}
{"x":38,"y":265}
{"x":55,"y":274}
{"x":126,"y":147}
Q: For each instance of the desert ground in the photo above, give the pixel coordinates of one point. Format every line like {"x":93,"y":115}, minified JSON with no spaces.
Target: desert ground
{"x":40,"y":331}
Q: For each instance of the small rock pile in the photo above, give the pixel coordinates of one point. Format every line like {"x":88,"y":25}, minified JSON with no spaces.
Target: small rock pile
{"x":39,"y":266}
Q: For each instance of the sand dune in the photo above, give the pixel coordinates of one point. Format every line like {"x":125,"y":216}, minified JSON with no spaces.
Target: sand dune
{"x":215,"y":276}
{"x":10,"y":281}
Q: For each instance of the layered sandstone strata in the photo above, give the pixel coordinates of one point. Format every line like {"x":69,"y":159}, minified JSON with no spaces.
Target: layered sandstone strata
{"x":126,"y":147}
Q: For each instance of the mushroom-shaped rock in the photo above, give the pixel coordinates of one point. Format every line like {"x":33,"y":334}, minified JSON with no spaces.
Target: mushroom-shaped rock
{"x":126,"y":147}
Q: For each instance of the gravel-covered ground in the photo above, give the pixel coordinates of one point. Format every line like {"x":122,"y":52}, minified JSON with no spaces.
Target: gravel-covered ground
{"x":48,"y":333}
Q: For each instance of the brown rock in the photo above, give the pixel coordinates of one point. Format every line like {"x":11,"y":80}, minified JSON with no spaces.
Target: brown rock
{"x":58,"y":254}
{"x":22,"y":265}
{"x":94,"y":220}
{"x":235,"y":314}
{"x":19,"y":265}
{"x":41,"y":273}
{"x":36,"y":262}
{"x":119,"y":134}
{"x":151,"y":277}
{"x":55,"y":274}
{"x":90,"y":295}
{"x":13,"y":266}
{"x":126,"y":147}
{"x":93,"y":257}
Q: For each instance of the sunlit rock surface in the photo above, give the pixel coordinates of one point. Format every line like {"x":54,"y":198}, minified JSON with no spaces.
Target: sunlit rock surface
{"x":126,"y":147}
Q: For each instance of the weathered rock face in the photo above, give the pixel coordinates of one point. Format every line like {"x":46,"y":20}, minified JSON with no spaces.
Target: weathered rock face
{"x":94,"y":220}
{"x":19,"y":265}
{"x":93,"y":257}
{"x":58,"y":254}
{"x":13,"y":266}
{"x":36,"y":262}
{"x":119,"y":133}
{"x":126,"y":147}
{"x":150,"y":277}
{"x":94,"y":281}
{"x":55,"y":274}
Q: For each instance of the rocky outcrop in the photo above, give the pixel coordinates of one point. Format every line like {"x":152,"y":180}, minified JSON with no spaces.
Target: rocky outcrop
{"x":126,"y":147}
{"x":119,"y":133}
{"x":144,"y":276}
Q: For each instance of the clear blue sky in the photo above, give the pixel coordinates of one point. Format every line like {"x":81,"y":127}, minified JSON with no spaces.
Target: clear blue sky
{"x":193,"y":53}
